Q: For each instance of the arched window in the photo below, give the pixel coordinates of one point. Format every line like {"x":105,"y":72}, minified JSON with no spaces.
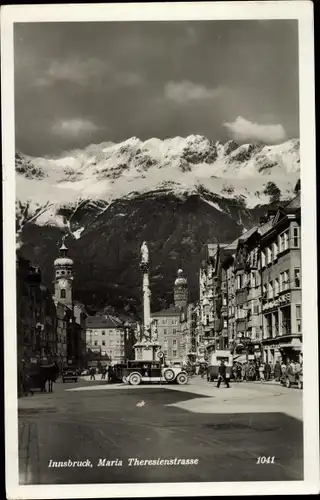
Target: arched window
{"x":62,"y":293}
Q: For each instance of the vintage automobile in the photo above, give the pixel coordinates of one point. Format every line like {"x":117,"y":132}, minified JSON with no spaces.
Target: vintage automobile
{"x":69,"y":373}
{"x":214,"y":363}
{"x":137,"y":372}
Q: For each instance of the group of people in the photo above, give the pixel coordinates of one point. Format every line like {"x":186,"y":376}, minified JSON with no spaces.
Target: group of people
{"x":254,"y":370}
{"x":105,"y":370}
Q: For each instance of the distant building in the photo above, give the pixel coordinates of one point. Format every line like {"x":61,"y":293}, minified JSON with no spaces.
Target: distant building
{"x":212,"y":330}
{"x":64,"y":324}
{"x":168,"y":326}
{"x":80,"y":315}
{"x":63,"y":278}
{"x":180,"y":292}
{"x":63,"y":297}
{"x":36,"y":315}
{"x":106,"y":333}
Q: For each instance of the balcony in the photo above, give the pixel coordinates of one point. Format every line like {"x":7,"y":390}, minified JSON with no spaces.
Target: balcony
{"x":241,"y":324}
{"x":241,"y":297}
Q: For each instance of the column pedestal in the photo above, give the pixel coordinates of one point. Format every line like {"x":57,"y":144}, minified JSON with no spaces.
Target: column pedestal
{"x":146,"y":351}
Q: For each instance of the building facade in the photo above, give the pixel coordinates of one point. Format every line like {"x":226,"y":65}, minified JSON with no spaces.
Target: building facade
{"x":36,"y":315}
{"x":259,"y":282}
{"x":281,"y":285}
{"x":106,"y":334}
{"x":212,"y":314}
{"x":168,"y":328}
{"x":80,"y":315}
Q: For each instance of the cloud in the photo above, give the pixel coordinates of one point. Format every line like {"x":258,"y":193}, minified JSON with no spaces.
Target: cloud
{"x":74,"y":127}
{"x":244,"y":130}
{"x":83,"y":72}
{"x":185,"y":91}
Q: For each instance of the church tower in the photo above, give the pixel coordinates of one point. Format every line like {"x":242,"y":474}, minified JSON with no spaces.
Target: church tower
{"x":63,"y":277}
{"x":180,"y":291}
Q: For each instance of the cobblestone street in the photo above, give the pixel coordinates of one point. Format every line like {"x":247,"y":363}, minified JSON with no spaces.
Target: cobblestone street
{"x":226,"y":430}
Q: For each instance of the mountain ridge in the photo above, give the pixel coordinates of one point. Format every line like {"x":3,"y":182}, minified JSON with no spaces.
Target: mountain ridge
{"x":177,"y":194}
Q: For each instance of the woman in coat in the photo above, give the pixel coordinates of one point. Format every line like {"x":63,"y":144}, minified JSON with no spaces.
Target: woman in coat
{"x":277,"y":371}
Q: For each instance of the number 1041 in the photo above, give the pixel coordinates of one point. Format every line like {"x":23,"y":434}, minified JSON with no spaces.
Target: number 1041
{"x":265,"y":460}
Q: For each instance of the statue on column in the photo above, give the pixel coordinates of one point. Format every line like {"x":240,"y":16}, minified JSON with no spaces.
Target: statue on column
{"x":144,"y":253}
{"x":154,"y":331}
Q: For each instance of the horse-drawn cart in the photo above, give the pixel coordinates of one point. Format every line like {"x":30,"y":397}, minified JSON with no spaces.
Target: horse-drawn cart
{"x":36,"y":375}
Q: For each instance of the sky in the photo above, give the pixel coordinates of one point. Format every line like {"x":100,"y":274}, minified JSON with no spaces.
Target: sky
{"x":82,"y":83}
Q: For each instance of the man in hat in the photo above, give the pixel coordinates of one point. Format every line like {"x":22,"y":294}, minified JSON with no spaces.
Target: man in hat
{"x":222,"y":375}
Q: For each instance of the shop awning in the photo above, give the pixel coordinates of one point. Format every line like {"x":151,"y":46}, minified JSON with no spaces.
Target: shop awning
{"x":240,"y":358}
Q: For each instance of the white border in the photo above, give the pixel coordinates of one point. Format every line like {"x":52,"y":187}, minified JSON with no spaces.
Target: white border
{"x":301,"y":10}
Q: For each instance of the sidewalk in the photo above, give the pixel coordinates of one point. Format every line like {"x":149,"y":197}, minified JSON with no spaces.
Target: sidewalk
{"x":35,"y":403}
{"x":29,"y":459}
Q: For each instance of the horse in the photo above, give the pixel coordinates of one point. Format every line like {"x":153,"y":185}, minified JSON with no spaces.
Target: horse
{"x":50,"y":375}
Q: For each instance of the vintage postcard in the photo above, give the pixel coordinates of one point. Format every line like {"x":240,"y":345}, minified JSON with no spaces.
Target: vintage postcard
{"x":160,"y":253}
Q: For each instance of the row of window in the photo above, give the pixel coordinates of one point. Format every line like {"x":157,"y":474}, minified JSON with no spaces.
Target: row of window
{"x":103,"y":332}
{"x":174,"y":353}
{"x":166,"y":321}
{"x":276,"y":328}
{"x":284,"y":242}
{"x":174,"y":342}
{"x":165,"y":331}
{"x":110,"y":343}
{"x":273,"y":288}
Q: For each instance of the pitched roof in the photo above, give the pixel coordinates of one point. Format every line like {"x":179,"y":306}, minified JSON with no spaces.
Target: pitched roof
{"x":245,"y":236}
{"x":294,"y":204}
{"x":264,"y":228}
{"x":171,"y":311}
{"x":103,"y":321}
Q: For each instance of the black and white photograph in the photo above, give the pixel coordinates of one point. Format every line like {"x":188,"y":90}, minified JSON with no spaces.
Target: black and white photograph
{"x":159,"y":250}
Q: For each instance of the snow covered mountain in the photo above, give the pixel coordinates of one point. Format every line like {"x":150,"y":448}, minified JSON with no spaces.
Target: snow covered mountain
{"x":211,"y":191}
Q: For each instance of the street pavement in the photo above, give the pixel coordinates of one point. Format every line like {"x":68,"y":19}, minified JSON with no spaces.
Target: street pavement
{"x":225,"y":430}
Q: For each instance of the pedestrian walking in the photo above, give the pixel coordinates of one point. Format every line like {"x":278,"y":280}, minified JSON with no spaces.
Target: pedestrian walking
{"x":103,"y":373}
{"x":271,"y":371}
{"x":222,"y":375}
{"x":267,"y":371}
{"x":277,"y":371}
{"x":110,"y":374}
{"x":204,"y":371}
{"x":257,"y":371}
{"x":239,"y":372}
{"x":92,"y":373}
{"x":261,"y":372}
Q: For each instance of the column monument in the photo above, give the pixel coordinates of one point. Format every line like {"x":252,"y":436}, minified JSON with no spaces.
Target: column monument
{"x":146,"y":348}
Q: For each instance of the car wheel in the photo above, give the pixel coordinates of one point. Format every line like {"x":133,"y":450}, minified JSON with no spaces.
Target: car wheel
{"x":169,"y":375}
{"x":182,"y":378}
{"x":288,"y":384}
{"x":135,"y":379}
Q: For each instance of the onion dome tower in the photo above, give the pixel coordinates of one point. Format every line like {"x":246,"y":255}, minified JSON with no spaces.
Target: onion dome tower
{"x":63,"y":277}
{"x":180,"y":291}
